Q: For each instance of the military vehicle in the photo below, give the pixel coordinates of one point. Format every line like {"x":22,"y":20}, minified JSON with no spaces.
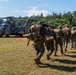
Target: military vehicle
{"x":11,"y":27}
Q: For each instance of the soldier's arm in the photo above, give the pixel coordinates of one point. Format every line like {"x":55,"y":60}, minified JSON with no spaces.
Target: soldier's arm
{"x":55,"y":40}
{"x":43,"y":32}
{"x":61,"y":34}
{"x":70,"y":33}
{"x":28,"y":42}
{"x":54,"y":34}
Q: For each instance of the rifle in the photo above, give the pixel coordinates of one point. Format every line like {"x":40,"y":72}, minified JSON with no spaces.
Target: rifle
{"x":28,"y":42}
{"x":28,"y":36}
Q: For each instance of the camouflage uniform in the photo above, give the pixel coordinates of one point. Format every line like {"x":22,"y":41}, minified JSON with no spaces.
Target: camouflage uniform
{"x":67,"y":34}
{"x":38,"y":39}
{"x":73,"y":38}
{"x":59,"y":35}
{"x":49,"y":42}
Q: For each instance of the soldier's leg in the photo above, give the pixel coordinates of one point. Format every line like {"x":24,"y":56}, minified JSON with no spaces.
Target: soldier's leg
{"x":38,"y":57}
{"x":71,"y":44}
{"x":37,"y":51}
{"x":61,"y":47}
{"x":50,"y":50}
{"x":65,"y":45}
{"x":47,"y":47}
{"x":74,"y":45}
{"x":55,"y":49}
{"x":40,"y":54}
{"x":40,"y":51}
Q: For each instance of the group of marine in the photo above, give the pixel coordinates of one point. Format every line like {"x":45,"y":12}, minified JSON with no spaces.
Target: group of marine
{"x":46,"y":36}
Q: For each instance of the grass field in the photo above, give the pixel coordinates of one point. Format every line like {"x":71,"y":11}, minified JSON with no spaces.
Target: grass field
{"x":16,"y":58}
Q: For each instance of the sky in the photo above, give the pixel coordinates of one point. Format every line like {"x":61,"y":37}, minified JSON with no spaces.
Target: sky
{"x":35,"y":7}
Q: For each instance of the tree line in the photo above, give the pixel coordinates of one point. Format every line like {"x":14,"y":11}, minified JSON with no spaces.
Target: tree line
{"x":54,"y":19}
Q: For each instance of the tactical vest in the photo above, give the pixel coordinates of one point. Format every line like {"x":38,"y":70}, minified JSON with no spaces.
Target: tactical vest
{"x":49,"y":37}
{"x":73,"y":35}
{"x":35,"y":32}
{"x":59,"y":33}
{"x":67,"y":33}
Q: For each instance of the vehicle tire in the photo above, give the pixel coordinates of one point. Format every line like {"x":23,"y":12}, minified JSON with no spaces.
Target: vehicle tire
{"x":1,"y":35}
{"x":7,"y":35}
{"x":21,"y":35}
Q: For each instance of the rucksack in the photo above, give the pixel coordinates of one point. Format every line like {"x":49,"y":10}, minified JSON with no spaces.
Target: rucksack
{"x":59,"y":33}
{"x":67,"y":32}
{"x":73,"y":35}
{"x":35,"y":32}
{"x":49,"y":37}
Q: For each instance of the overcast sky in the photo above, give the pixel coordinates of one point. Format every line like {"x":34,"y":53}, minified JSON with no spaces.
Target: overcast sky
{"x":35,"y":7}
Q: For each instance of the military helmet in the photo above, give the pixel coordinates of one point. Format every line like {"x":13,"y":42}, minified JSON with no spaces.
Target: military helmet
{"x":66,"y":25}
{"x":52,"y":26}
{"x":41,"y":22}
{"x":73,"y":28}
{"x":60,"y":27}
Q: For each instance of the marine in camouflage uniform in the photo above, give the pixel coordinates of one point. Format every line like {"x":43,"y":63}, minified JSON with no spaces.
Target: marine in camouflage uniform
{"x":49,"y":41}
{"x":38,"y":38}
{"x":73,"y":38}
{"x":59,"y":35}
{"x":67,"y":34}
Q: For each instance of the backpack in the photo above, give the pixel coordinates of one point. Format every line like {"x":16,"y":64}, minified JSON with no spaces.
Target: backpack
{"x":73,"y":35}
{"x":49,"y":37}
{"x":59,"y":33}
{"x":67,"y":33}
{"x":35,"y":32}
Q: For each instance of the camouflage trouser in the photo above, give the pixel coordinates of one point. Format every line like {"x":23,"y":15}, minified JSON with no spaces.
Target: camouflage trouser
{"x":60,"y":42}
{"x":72,"y":43}
{"x":49,"y":47}
{"x":66,"y":41}
{"x":39,"y":47}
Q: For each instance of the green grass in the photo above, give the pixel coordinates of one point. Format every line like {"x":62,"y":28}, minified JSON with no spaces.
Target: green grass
{"x":16,"y":58}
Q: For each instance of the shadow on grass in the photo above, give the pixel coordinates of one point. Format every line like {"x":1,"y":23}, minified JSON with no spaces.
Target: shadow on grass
{"x":66,"y":61}
{"x":73,"y":52}
{"x":73,"y":56}
{"x":61,"y":68}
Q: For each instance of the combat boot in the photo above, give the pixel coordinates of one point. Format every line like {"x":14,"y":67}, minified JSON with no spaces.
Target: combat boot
{"x":40,"y":62}
{"x":65,"y":50}
{"x":48,"y":57}
{"x":37,"y":61}
{"x":61,"y":52}
{"x":55,"y":54}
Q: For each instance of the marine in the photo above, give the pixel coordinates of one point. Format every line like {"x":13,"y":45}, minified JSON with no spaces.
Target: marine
{"x":67,"y":35}
{"x":59,"y":36}
{"x":38,"y":39}
{"x":49,"y":41}
{"x":73,"y":38}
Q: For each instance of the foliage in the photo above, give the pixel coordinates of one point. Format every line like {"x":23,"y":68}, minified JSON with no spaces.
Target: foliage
{"x":55,"y":19}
